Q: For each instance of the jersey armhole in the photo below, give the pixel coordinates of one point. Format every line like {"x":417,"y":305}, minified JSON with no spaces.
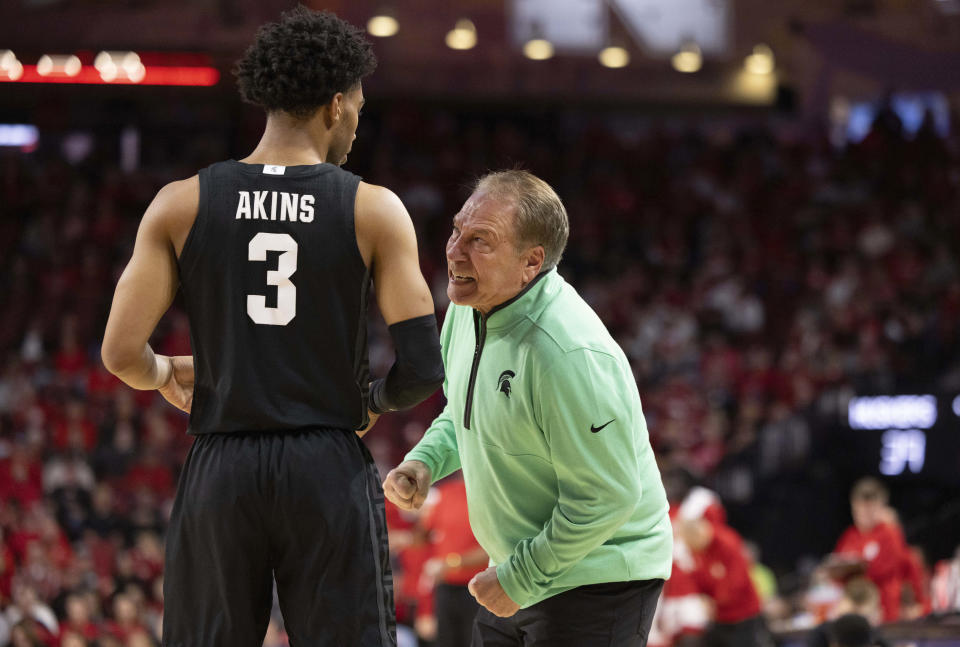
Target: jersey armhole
{"x":349,"y":194}
{"x":185,"y":260}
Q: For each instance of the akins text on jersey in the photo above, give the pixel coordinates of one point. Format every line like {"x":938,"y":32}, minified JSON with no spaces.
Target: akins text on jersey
{"x":275,"y":205}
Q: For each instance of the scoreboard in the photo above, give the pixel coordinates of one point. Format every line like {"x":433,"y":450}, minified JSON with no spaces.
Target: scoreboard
{"x":907,"y":437}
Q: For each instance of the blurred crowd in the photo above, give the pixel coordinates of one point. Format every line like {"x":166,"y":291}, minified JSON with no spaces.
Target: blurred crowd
{"x":752,"y":275}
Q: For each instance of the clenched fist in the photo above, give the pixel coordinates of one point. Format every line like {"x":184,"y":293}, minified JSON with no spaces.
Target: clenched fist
{"x":486,"y":588}
{"x":407,"y":485}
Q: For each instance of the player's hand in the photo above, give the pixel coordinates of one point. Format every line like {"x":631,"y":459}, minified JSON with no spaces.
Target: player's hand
{"x":485,"y":587}
{"x":373,"y":417}
{"x":407,"y":485}
{"x":178,"y":390}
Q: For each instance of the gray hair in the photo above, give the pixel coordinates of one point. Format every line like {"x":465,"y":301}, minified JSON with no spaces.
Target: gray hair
{"x":540,"y":218}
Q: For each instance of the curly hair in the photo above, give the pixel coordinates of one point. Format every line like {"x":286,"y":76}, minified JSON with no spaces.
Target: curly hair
{"x":300,"y":62}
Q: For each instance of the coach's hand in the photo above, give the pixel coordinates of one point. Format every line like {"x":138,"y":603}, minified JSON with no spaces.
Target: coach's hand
{"x":407,"y":484}
{"x":178,"y":389}
{"x":485,"y":587}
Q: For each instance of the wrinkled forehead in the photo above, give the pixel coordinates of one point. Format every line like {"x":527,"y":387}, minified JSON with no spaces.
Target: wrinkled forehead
{"x":485,"y":210}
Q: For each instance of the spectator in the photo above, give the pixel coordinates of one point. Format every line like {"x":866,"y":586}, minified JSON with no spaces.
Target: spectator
{"x":722,"y":573}
{"x":37,"y":618}
{"x":946,"y":584}
{"x":872,"y":545}
{"x":26,"y":633}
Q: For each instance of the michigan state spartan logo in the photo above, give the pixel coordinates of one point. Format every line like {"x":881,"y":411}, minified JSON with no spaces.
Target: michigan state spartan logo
{"x":503,"y":382}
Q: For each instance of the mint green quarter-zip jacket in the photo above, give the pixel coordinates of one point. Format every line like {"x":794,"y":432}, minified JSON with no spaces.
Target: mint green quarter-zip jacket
{"x":544,"y":418}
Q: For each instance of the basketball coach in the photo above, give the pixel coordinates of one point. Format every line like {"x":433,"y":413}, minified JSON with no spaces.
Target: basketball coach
{"x":543,"y":417}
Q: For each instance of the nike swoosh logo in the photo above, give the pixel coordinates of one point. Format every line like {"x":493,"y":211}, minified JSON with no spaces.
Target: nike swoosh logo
{"x":596,"y":429}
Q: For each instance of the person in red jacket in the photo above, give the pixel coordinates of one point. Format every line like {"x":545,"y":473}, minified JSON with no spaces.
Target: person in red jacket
{"x":722,"y":572}
{"x":914,"y":570}
{"x":872,"y":545}
{"x":683,"y":613}
{"x":455,"y":558}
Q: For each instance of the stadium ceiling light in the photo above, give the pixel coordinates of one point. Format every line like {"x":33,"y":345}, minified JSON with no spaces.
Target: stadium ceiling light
{"x":10,"y":67}
{"x":538,"y":49}
{"x":761,"y":61}
{"x":55,"y":65}
{"x":383,"y":25}
{"x":114,"y":66}
{"x":462,"y":36}
{"x":614,"y":56}
{"x":689,"y":59}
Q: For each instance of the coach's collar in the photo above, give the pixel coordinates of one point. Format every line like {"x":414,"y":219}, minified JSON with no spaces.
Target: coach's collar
{"x":528,"y":302}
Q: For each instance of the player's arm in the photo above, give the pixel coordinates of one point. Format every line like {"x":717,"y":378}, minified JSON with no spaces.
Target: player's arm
{"x":598,"y":475}
{"x":144,"y":292}
{"x":435,"y":456}
{"x":389,"y":245}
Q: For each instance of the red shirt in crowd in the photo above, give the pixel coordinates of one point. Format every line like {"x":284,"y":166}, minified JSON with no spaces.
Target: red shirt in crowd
{"x":83,"y":430}
{"x":913,"y":572}
{"x":155,"y":477}
{"x":88,"y":630}
{"x":449,"y":525}
{"x":410,"y":560}
{"x":917,"y":576}
{"x":7,"y":571}
{"x":21,"y":479}
{"x":882,"y":550}
{"x":723,"y":573}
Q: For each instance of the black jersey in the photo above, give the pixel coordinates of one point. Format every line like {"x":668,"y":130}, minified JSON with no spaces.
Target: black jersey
{"x":276,"y":292}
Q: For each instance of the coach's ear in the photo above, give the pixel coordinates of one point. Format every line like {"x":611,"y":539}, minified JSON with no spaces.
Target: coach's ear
{"x":533,"y":262}
{"x":406,"y":485}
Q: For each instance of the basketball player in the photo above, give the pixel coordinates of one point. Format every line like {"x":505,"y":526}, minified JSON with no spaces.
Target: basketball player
{"x":274,"y":254}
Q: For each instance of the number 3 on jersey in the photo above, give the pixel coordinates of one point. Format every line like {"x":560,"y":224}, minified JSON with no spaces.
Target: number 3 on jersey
{"x":286,"y":308}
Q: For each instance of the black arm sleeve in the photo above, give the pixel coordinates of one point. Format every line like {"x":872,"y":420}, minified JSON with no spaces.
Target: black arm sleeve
{"x":417,"y":371}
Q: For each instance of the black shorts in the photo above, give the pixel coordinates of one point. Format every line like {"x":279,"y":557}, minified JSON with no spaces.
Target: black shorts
{"x":304,"y":507}
{"x":617,"y":614}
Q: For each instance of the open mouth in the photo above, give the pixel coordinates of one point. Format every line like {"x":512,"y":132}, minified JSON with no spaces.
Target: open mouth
{"x":459,"y":278}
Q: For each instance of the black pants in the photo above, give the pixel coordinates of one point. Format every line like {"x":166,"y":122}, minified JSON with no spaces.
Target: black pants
{"x":303,"y":507}
{"x":617,"y":614}
{"x":456,"y":610}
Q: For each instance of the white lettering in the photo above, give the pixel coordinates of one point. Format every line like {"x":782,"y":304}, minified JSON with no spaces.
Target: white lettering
{"x":897,"y":412}
{"x":259,"y":209}
{"x":288,"y":206}
{"x":306,"y":208}
{"x":243,"y":207}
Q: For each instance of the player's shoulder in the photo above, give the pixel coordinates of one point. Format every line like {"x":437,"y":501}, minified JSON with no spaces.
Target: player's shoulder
{"x":174,"y":208}
{"x":382,"y":224}
{"x":378,"y":199}
{"x":179,"y":194}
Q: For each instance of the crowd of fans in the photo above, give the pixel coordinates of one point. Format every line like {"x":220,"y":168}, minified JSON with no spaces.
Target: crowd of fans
{"x":752,"y":275}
